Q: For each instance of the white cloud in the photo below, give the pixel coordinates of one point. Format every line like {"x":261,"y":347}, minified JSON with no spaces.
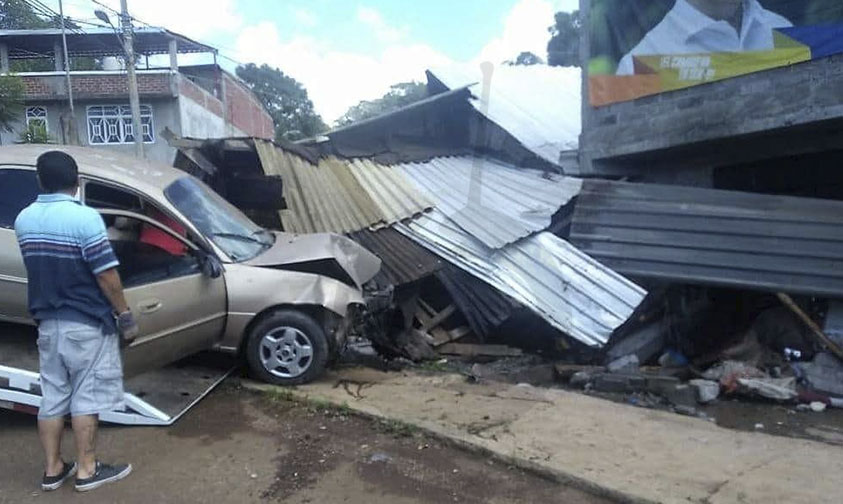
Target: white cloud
{"x":305,"y":18}
{"x":193,"y":18}
{"x":383,"y":31}
{"x":525,"y":28}
{"x":335,"y":79}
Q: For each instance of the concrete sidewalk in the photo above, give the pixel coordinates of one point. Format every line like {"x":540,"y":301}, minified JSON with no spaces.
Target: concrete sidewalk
{"x":633,"y":454}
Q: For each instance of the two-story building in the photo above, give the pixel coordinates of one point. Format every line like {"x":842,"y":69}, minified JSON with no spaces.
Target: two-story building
{"x":199,"y":101}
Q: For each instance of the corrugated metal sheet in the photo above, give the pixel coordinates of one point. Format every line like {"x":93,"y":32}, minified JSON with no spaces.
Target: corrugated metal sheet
{"x":723,"y":238}
{"x":494,"y":202}
{"x":567,"y":288}
{"x":403,"y":260}
{"x":336,"y":195}
{"x":483,"y":306}
{"x":537,"y":104}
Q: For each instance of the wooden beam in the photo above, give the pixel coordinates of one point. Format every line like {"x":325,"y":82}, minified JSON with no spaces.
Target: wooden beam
{"x":818,"y":334}
{"x":470,"y":350}
{"x":439,"y":318}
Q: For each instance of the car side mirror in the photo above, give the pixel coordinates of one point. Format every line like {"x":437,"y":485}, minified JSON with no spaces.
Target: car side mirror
{"x":211,"y":266}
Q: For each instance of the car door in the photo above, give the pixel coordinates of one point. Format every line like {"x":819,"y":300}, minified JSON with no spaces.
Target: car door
{"x":18,"y":188}
{"x":179,"y":309}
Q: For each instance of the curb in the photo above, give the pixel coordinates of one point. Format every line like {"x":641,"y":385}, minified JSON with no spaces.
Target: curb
{"x":561,"y":477}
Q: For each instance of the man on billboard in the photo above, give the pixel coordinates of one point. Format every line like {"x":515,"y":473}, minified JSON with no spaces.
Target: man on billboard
{"x":708,"y":26}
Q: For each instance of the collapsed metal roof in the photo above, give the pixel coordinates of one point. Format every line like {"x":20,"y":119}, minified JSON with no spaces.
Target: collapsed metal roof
{"x":724,"y":238}
{"x":494,"y":202}
{"x":539,"y":105}
{"x":337,"y":195}
{"x":402,"y":260}
{"x":571,"y":291}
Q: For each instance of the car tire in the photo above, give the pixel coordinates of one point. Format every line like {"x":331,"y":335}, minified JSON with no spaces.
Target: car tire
{"x":287,"y":347}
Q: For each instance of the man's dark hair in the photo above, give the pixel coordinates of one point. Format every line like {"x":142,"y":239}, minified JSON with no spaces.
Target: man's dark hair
{"x":57,"y":171}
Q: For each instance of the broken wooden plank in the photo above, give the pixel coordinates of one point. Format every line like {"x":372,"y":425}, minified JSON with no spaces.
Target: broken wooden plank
{"x":439,"y":318}
{"x":441,"y":336}
{"x":472,"y":350}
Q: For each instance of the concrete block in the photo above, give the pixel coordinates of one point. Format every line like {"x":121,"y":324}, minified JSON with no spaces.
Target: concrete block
{"x":643,"y":343}
{"x":627,"y":363}
{"x":616,"y":382}
{"x":824,"y":373}
{"x":681,"y":395}
{"x":707,"y":390}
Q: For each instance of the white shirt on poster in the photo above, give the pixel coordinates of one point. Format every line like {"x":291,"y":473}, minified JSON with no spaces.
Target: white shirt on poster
{"x":685,"y":30}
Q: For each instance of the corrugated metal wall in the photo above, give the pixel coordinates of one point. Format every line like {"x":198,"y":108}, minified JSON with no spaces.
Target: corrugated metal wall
{"x":724,"y":238}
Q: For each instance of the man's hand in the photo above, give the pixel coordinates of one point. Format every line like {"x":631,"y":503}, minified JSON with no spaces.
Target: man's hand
{"x":127,"y":326}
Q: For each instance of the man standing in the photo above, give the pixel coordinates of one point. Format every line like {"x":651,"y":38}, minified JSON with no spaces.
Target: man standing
{"x":74,"y":292}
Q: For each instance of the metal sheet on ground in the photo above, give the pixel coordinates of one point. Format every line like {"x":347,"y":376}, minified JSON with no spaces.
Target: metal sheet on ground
{"x":158,"y":397}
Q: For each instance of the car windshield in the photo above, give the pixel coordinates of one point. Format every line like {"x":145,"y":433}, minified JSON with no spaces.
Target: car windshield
{"x":234,"y":233}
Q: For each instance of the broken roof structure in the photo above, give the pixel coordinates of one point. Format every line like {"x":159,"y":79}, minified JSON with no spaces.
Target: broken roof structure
{"x":506,"y":116}
{"x":539,"y":105}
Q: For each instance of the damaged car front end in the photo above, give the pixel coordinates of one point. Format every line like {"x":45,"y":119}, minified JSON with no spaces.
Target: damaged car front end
{"x":291,"y":298}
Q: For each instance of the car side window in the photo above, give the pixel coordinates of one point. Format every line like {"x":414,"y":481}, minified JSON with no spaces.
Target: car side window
{"x":18,"y":188}
{"x":146,"y":253}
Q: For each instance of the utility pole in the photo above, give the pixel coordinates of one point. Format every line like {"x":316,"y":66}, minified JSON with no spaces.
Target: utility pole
{"x":71,"y":129}
{"x":134,"y":101}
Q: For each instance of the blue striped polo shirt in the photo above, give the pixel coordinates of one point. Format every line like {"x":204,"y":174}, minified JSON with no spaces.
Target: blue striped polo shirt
{"x":64,"y":246}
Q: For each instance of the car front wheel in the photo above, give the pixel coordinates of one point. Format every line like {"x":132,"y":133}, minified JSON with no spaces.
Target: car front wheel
{"x":287,"y":347}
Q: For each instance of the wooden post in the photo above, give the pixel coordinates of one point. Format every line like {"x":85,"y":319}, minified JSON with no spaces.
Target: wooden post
{"x":4,"y":58}
{"x":818,"y":334}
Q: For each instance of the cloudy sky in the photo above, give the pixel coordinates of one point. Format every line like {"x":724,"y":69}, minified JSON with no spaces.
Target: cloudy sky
{"x":345,"y":51}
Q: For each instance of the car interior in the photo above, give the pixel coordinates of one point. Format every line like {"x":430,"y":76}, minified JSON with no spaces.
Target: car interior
{"x":146,"y":253}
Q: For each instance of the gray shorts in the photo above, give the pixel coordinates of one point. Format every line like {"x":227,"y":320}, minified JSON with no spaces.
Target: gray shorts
{"x":81,"y":371}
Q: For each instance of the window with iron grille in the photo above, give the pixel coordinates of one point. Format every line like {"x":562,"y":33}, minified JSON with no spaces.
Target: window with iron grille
{"x":36,"y":116}
{"x":112,"y":124}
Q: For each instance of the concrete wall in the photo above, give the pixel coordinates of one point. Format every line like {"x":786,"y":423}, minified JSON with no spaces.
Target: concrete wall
{"x":164,"y":115}
{"x":679,"y":135}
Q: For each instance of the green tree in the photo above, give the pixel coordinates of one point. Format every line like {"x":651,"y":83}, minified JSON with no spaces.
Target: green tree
{"x":11,"y":100}
{"x":526,"y":58}
{"x":399,"y":95}
{"x":286,"y":101}
{"x":35,"y":133}
{"x":564,"y":46}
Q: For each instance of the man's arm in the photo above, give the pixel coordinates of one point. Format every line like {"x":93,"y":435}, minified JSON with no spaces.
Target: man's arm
{"x":112,"y":287}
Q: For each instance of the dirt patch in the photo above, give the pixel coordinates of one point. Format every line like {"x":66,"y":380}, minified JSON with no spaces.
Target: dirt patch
{"x":392,"y":459}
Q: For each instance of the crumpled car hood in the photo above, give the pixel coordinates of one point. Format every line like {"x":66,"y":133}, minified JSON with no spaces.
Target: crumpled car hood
{"x":360,"y":264}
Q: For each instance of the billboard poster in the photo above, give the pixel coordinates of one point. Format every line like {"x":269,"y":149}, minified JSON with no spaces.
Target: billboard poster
{"x":646,"y":47}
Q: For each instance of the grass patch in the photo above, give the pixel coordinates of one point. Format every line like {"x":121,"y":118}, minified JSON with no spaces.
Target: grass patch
{"x":397,"y":428}
{"x":439,"y":366}
{"x":278,"y":395}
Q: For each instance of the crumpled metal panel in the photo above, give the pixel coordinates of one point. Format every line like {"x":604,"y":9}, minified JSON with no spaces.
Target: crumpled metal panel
{"x":724,"y":238}
{"x":336,"y":195}
{"x":539,"y":105}
{"x":403,"y":260}
{"x":570,"y":290}
{"x":494,"y":202}
{"x":483,"y":306}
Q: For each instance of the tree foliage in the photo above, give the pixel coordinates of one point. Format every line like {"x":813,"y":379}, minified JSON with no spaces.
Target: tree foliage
{"x":526,"y":58}
{"x":19,"y":15}
{"x":399,"y":95}
{"x":11,"y":100}
{"x":286,"y":101}
{"x":564,"y":46}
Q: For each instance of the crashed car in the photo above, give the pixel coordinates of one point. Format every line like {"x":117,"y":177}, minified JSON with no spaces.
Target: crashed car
{"x":198,"y":273}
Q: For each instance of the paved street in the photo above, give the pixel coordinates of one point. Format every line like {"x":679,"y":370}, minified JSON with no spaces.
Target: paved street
{"x":241,"y":446}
